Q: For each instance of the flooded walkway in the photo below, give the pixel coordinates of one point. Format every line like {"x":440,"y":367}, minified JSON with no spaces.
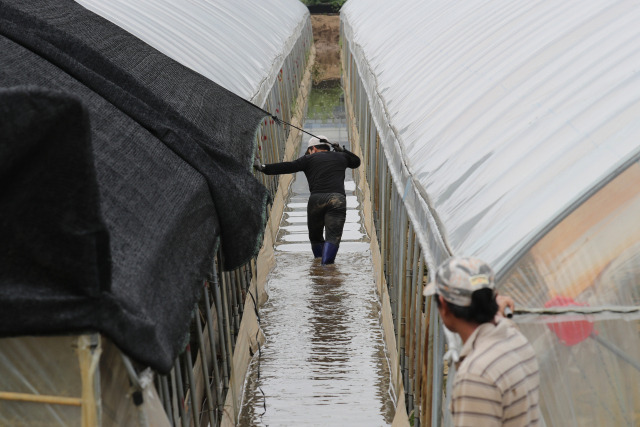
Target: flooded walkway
{"x":324,"y":360}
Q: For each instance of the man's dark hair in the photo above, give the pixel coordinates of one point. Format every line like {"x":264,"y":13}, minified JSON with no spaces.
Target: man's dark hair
{"x":483,"y":307}
{"x":321,"y":147}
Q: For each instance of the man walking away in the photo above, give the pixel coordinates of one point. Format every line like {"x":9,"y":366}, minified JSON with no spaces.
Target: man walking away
{"x":497,"y":379}
{"x":327,"y":206}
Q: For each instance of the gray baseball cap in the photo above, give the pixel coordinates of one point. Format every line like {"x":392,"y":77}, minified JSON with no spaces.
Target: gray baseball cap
{"x":457,"y":278}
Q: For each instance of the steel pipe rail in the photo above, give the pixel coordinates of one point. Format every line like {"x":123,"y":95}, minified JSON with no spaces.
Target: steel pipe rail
{"x":420,"y":364}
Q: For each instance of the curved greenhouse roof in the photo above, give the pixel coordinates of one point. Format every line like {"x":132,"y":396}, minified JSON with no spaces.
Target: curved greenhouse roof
{"x":244,"y":50}
{"x":512,"y":133}
{"x":140,"y":162}
{"x":500,"y":114}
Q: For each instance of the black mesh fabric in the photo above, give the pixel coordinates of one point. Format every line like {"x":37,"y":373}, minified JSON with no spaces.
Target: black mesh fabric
{"x":145,"y":163}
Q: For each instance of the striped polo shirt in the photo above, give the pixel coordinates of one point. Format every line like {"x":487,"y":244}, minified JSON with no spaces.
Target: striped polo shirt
{"x":497,"y":379}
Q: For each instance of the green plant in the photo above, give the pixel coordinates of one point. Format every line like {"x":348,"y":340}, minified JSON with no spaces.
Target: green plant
{"x":323,"y":101}
{"x":316,"y":74}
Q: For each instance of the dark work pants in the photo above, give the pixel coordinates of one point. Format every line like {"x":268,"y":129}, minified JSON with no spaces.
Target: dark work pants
{"x":326,"y":211}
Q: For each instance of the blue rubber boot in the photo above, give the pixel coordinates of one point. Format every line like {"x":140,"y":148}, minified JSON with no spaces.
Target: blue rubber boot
{"x":329,"y":252}
{"x":317,"y":249}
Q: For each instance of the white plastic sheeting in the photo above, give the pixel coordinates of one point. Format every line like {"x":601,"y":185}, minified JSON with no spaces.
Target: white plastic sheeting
{"x":53,"y":381}
{"x":589,"y":261}
{"x":498,"y":115}
{"x":512,"y":130}
{"x":241,"y":45}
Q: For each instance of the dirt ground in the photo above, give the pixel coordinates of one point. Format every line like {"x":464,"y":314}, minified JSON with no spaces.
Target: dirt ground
{"x":326,"y":34}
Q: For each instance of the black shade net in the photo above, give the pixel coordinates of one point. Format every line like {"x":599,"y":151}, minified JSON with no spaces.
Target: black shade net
{"x":121,"y":171}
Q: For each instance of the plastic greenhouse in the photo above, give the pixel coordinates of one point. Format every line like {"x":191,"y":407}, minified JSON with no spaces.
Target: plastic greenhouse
{"x":180,"y":362}
{"x":508,"y":131}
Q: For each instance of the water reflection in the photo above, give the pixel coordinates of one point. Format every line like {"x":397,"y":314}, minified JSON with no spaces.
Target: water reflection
{"x":328,"y":321}
{"x":324,"y":362}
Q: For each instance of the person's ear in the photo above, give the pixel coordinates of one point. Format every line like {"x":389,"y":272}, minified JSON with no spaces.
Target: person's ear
{"x":444,"y":307}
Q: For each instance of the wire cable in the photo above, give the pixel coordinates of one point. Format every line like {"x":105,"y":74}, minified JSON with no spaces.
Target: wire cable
{"x":279,"y":120}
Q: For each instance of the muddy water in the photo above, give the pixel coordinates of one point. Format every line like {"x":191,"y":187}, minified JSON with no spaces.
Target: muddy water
{"x":324,"y":362}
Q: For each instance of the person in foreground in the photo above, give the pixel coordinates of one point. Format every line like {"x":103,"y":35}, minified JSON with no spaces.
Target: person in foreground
{"x":497,"y":378}
{"x":327,"y":206}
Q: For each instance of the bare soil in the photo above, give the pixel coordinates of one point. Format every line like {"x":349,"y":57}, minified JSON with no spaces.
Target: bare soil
{"x":326,"y":36}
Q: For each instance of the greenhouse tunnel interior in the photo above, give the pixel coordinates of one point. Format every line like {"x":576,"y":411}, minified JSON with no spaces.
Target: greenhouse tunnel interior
{"x":137,"y":242}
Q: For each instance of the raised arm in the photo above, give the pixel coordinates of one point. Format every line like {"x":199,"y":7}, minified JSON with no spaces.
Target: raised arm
{"x":282,"y":167}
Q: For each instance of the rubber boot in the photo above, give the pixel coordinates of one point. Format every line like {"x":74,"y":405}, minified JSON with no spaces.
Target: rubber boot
{"x":329,"y":252}
{"x":317,"y":249}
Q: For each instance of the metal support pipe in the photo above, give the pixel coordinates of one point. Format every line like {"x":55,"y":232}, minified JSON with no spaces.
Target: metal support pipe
{"x":438,"y":351}
{"x":219,"y":309}
{"x":226,"y":317}
{"x":400,"y":254}
{"x":390,"y":220}
{"x":396,"y":259}
{"x":176,"y":372}
{"x":214,"y":350}
{"x":615,"y":350}
{"x":417,"y":268}
{"x":233,"y":305}
{"x":238,"y":289}
{"x":410,"y":315}
{"x":158,"y":384}
{"x":381,"y":214}
{"x":167,"y":398}
{"x":237,"y":298}
{"x":195,"y":406}
{"x":427,"y":387}
{"x":393,"y":280}
{"x":213,"y":419}
{"x":241,"y":274}
{"x":403,"y":295}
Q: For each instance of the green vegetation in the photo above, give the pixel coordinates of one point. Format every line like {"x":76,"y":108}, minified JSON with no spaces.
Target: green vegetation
{"x":333,"y":5}
{"x":323,"y":100}
{"x":316,"y":74}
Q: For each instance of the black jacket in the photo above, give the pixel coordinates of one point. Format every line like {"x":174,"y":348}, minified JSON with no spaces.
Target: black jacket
{"x":324,"y":169}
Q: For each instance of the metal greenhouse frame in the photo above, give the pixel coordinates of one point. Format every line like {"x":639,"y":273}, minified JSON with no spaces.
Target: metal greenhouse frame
{"x":417,"y":328}
{"x":486,"y":129}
